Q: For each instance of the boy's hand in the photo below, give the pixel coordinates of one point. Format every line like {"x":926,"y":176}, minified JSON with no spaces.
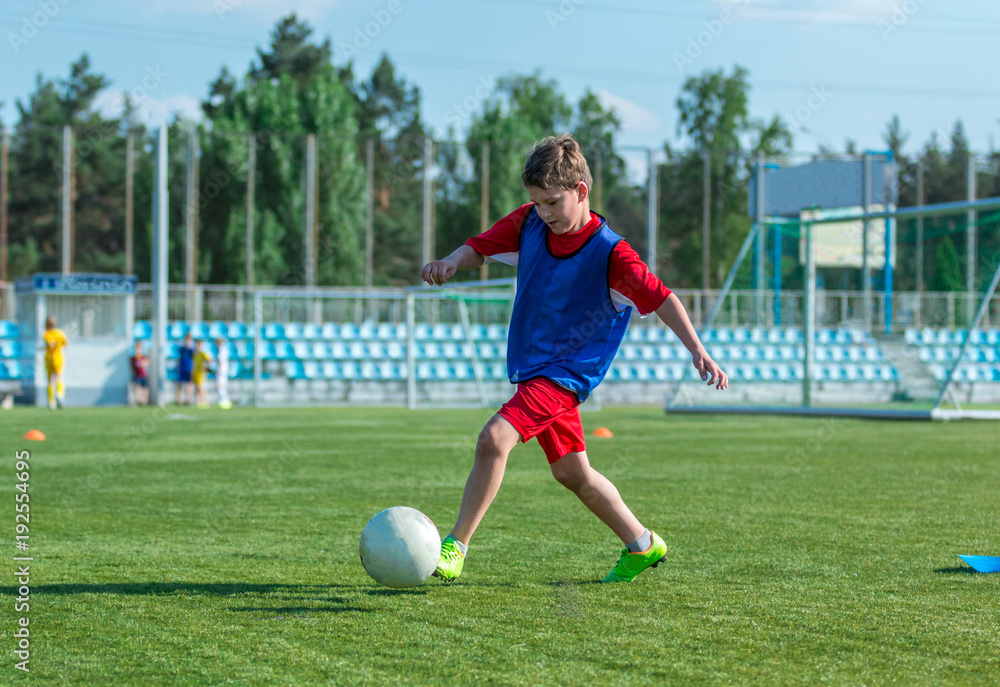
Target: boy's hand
{"x":438,"y":272}
{"x":710,"y":371}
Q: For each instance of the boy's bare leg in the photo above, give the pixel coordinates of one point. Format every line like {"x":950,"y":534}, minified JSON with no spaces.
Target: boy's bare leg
{"x":598,"y":494}
{"x":495,"y":443}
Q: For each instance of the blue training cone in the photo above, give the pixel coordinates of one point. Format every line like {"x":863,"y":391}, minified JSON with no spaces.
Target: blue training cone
{"x":983,"y":564}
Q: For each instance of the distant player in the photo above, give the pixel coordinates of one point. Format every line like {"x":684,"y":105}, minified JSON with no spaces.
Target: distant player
{"x":577,"y":285}
{"x":55,"y":342}
{"x":200,"y":366}
{"x":185,"y":366}
{"x":140,"y":375}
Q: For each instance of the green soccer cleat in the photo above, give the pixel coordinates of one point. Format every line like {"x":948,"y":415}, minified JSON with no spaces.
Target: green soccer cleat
{"x":631,"y":564}
{"x":452,"y":560}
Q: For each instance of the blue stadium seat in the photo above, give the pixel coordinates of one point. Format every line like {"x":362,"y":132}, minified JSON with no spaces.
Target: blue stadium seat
{"x":294,"y":370}
{"x":218,"y":330}
{"x":177,"y":330}
{"x":321,"y":350}
{"x":10,"y":349}
{"x":199,"y":330}
{"x":350,"y":331}
{"x":10,"y":369}
{"x":8,"y":330}
{"x":312,"y":370}
{"x":357,"y":350}
{"x":283,"y":350}
{"x":330,"y":331}
{"x":331,"y":369}
{"x":376,"y":350}
{"x":340,"y":350}
{"x":387,"y":332}
{"x":274,"y":332}
{"x":312,"y":331}
{"x":429,"y":350}
{"x":293,"y":330}
{"x":368,"y":330}
{"x":301,"y":350}
{"x":237,"y":330}
{"x":496,"y":332}
{"x":142,"y":330}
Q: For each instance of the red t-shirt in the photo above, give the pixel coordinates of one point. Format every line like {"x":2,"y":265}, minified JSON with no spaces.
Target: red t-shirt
{"x":630,"y":279}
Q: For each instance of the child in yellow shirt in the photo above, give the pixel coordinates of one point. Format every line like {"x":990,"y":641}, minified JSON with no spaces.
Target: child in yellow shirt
{"x":55,"y":341}
{"x":202,"y":361}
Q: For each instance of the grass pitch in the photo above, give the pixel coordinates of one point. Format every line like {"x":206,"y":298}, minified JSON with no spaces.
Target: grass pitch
{"x":221,"y":547}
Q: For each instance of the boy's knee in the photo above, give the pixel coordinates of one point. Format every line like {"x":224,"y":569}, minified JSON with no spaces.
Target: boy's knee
{"x":493,"y":439}
{"x":574,"y":480}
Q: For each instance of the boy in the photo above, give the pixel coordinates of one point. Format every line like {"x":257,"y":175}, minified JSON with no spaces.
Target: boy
{"x":55,"y":341}
{"x":140,"y":375}
{"x":577,"y":282}
{"x":185,"y":365}
{"x":222,"y":374}
{"x":202,"y":361}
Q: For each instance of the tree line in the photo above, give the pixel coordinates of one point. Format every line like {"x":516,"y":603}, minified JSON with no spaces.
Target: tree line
{"x":293,"y":88}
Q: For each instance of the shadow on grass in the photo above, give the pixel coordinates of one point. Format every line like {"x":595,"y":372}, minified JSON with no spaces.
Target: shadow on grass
{"x":187,"y":588}
{"x":303,"y":610}
{"x":957,"y":570}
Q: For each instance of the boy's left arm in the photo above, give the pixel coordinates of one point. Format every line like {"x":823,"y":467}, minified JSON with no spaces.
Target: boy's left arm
{"x":674,"y":315}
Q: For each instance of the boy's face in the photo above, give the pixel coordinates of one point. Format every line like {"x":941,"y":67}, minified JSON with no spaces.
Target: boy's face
{"x":564,"y":210}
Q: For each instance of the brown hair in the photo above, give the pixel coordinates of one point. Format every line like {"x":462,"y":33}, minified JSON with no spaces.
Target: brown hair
{"x":557,"y":163}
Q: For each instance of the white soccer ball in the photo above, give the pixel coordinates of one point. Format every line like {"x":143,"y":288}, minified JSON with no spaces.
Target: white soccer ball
{"x":400,"y":547}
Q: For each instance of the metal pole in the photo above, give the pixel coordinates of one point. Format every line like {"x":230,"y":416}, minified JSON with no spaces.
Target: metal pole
{"x":920,"y":242}
{"x":4,"y":200}
{"x":427,"y":249}
{"x":760,"y":282}
{"x":970,"y":246}
{"x":67,"y":198}
{"x":251,"y":187}
{"x":866,"y":275}
{"x":191,"y":222}
{"x":258,"y":348}
{"x":809,"y":330}
{"x":309,"y":214}
{"x":158,"y":374}
{"x":706,"y":221}
{"x":369,"y":211}
{"x":129,"y":200}
{"x":484,"y":204}
{"x":411,"y":352}
{"x":651,"y":225}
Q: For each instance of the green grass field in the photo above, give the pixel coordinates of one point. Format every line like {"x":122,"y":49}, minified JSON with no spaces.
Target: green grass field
{"x":221,"y":547}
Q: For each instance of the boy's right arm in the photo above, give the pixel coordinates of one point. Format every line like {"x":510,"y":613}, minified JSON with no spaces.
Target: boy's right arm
{"x":440,"y":271}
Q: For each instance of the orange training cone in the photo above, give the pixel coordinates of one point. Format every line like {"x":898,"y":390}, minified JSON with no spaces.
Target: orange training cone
{"x":34,"y":435}
{"x":603,"y":432}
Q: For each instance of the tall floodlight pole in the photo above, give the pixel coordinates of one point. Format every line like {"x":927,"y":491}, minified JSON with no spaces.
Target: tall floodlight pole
{"x":484,"y":203}
{"x":970,"y":242}
{"x":129,"y":200}
{"x":369,"y":211}
{"x":191,"y":222}
{"x":309,"y":219}
{"x":427,"y":249}
{"x":866,"y":274}
{"x":706,"y":220}
{"x":761,"y":250}
{"x":251,"y":179}
{"x":651,"y":224}
{"x":4,"y":193}
{"x":67,"y":200}
{"x":158,"y":374}
{"x":920,"y":241}
{"x":809,"y":329}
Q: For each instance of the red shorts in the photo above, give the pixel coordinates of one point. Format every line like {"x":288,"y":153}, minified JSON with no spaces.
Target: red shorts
{"x":541,"y":408}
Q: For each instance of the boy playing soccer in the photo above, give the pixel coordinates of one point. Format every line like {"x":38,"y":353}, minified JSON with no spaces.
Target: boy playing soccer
{"x":202,"y":361}
{"x":55,"y":341}
{"x":577,"y":283}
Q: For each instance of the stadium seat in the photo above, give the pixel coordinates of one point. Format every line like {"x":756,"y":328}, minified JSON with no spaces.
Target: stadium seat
{"x":312,"y":331}
{"x":274,"y":331}
{"x":301,"y":350}
{"x":496,"y":332}
{"x":199,"y":330}
{"x":293,"y":330}
{"x":218,"y":330}
{"x":237,"y":330}
{"x":330,"y":331}
{"x":177,"y":330}
{"x":10,"y":349}
{"x":294,"y":369}
{"x":142,"y":330}
{"x":8,"y":330}
{"x":321,"y":350}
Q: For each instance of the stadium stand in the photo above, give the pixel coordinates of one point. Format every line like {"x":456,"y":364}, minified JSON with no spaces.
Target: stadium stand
{"x":939,"y":349}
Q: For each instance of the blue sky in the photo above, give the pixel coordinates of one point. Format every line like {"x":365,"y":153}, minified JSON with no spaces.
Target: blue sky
{"x":836,"y":70}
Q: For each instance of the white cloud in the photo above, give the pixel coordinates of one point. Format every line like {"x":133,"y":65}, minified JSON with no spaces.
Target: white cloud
{"x":634,"y":118}
{"x":152,"y":111}
{"x":815,"y":11}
